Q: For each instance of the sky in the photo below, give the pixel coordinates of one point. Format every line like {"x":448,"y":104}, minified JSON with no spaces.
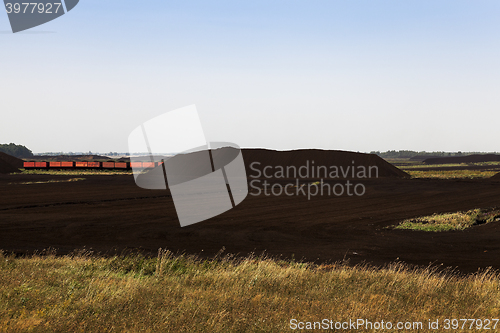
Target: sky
{"x":356,"y":75}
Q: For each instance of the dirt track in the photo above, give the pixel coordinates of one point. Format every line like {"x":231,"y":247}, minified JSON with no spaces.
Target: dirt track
{"x":108,"y":213}
{"x":463,"y":159}
{"x":465,"y":167}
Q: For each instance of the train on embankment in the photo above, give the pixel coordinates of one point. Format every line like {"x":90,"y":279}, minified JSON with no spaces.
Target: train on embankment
{"x":90,"y":165}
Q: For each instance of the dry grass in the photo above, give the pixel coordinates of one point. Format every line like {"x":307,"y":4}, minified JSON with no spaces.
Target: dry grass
{"x":83,"y":293}
{"x":409,"y":166}
{"x":452,"y":174}
{"x":50,"y":181}
{"x":74,"y":172}
{"x":451,"y":221}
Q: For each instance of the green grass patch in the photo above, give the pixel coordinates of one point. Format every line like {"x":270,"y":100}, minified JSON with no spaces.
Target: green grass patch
{"x":452,"y":174}
{"x":75,"y":172}
{"x":409,"y":167}
{"x":451,"y":221}
{"x":51,"y":181}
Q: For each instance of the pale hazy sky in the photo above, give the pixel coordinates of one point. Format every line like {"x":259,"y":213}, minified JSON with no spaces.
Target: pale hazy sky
{"x":351,"y":75}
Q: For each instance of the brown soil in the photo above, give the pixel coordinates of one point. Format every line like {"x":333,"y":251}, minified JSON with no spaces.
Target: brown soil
{"x":7,"y":168}
{"x":420,"y":158}
{"x":110,"y":213}
{"x":9,"y":164}
{"x":463,"y":159}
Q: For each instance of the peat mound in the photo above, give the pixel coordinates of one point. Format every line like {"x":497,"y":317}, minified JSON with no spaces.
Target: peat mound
{"x":463,"y":159}
{"x":316,"y":158}
{"x":9,"y":163}
{"x":304,"y":163}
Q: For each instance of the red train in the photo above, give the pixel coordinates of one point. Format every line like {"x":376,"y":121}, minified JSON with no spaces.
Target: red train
{"x":90,"y":165}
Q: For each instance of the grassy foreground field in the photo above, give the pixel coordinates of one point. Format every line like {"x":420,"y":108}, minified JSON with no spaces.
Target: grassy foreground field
{"x":85,"y":293}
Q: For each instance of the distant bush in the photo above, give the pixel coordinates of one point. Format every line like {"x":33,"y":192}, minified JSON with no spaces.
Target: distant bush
{"x":18,"y":151}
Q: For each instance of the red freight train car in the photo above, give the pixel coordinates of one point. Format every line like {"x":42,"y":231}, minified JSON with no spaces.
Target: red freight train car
{"x":142,"y":164}
{"x":136,"y":164}
{"x":122,"y":165}
{"x":82,"y":164}
{"x":41,"y":165}
{"x":59,"y":165}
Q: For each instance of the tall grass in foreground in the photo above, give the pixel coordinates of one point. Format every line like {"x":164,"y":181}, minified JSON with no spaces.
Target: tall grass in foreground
{"x":82,"y":293}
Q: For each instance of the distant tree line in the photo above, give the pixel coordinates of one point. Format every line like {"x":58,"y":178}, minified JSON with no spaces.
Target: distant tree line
{"x":16,"y":150}
{"x":412,"y":153}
